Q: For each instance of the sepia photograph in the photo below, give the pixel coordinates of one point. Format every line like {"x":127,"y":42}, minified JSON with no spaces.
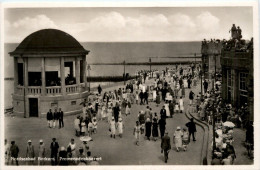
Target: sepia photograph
{"x":129,"y":85}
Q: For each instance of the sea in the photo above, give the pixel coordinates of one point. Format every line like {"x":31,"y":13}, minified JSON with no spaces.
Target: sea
{"x":114,"y":52}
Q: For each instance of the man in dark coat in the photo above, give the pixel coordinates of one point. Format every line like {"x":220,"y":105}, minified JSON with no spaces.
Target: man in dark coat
{"x":49,"y":118}
{"x":99,"y":89}
{"x":162,"y":124}
{"x":205,"y":84}
{"x":146,"y":97}
{"x":171,"y":108}
{"x":191,"y":97}
{"x":14,"y":151}
{"x":141,"y":95}
{"x":116,"y":112}
{"x":54,"y":151}
{"x":163,"y":112}
{"x":192,"y":129}
{"x":148,"y":128}
{"x":166,"y":146}
{"x":189,"y":83}
{"x":60,"y":115}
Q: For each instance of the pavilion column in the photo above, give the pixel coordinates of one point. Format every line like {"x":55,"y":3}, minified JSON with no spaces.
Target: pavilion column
{"x":15,"y":74}
{"x":84,"y":71}
{"x":43,"y":77}
{"x":62,"y":70}
{"x":26,"y":105}
{"x":77,"y":71}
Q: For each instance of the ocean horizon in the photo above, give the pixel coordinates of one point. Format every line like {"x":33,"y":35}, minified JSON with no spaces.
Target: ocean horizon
{"x":114,"y":52}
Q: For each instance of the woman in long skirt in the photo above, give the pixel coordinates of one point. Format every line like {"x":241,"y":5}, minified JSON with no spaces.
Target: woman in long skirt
{"x":166,"y":105}
{"x":127,"y":110}
{"x":183,"y":91}
{"x":185,"y":139}
{"x":181,"y":105}
{"x":137,"y":132}
{"x":176,"y":108}
{"x":103,"y":112}
{"x":120,"y":127}
{"x":158,"y":99}
{"x":148,"y":128}
{"x":109,"y":114}
{"x":178,"y":138}
{"x":155,"y":129}
{"x":154,"y":95}
{"x":113,"y":128}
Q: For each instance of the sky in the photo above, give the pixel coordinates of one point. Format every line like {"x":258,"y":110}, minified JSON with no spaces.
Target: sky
{"x":109,"y":24}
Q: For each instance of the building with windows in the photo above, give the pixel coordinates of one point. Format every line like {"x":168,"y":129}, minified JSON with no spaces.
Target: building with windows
{"x":211,"y":53}
{"x":49,"y":73}
{"x":238,"y":74}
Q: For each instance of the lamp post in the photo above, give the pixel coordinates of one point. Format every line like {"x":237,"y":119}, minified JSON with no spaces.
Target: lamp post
{"x":88,"y":68}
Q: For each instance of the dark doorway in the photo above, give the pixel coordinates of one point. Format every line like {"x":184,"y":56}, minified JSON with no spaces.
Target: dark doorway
{"x":20,"y":73}
{"x":81,"y":71}
{"x":33,"y":107}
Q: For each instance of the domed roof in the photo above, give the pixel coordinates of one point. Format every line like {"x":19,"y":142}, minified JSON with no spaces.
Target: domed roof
{"x":49,"y":41}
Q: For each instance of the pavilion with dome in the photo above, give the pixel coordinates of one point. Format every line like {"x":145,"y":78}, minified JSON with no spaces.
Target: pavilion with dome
{"x":49,"y":73}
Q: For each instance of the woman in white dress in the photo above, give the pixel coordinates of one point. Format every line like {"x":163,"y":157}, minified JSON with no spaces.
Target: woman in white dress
{"x":103,"y":112}
{"x":166,"y":105}
{"x":72,"y":146}
{"x":176,"y":108}
{"x":185,"y":83}
{"x":120,"y":126}
{"x":154,"y":95}
{"x":178,"y":138}
{"x":181,"y":105}
{"x":113,"y":127}
{"x":109,"y":114}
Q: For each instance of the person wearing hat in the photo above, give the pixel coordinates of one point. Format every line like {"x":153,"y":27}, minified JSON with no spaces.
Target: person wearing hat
{"x":148,"y":128}
{"x":82,"y":155}
{"x":49,"y":118}
{"x":166,"y":146}
{"x":63,"y":156}
{"x":113,"y":128}
{"x":41,"y":152}
{"x":185,"y":139}
{"x":30,"y":152}
{"x":54,"y":151}
{"x":155,"y":132}
{"x":85,"y":146}
{"x":192,"y":129}
{"x":178,"y":138}
{"x":120,"y":127}
{"x":137,"y":132}
{"x":73,"y":147}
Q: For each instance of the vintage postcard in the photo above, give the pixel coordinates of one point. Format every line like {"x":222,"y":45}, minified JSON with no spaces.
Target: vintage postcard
{"x":172,"y":85}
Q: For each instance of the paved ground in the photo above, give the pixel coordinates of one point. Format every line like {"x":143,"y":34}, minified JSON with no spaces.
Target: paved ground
{"x":119,"y":151}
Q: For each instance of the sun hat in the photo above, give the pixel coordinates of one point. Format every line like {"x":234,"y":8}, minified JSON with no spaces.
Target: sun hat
{"x":41,"y":141}
{"x":178,"y":128}
{"x":29,"y":141}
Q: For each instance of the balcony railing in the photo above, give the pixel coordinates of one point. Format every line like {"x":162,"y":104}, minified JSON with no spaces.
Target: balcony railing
{"x":35,"y":90}
{"x":71,"y":88}
{"x":53,"y":90}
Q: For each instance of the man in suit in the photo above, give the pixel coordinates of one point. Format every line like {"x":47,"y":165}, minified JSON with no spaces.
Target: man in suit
{"x":55,"y":118}
{"x":49,"y":118}
{"x":54,"y":151}
{"x":166,"y":146}
{"x":192,"y":129}
{"x":163,"y":112}
{"x":162,"y":124}
{"x":60,"y":116}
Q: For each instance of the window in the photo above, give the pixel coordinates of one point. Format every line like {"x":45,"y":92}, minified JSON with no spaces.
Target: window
{"x":20,"y":73}
{"x":243,"y":84}
{"x":229,"y":85}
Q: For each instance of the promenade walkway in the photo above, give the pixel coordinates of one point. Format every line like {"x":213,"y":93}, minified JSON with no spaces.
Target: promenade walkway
{"x":119,"y":151}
